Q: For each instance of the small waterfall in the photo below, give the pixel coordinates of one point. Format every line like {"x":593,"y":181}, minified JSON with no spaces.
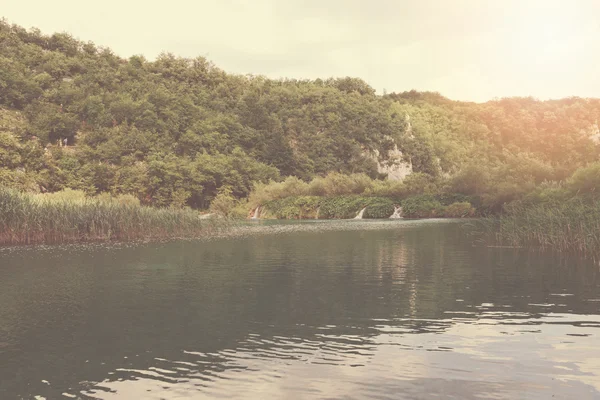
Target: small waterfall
{"x":256,"y":213}
{"x":397,"y":213}
{"x":360,"y":214}
{"x":317,"y":215}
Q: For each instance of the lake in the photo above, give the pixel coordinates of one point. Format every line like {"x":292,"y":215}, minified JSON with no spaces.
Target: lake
{"x":347,"y":309}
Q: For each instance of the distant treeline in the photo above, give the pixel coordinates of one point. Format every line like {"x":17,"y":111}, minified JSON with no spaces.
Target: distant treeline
{"x":178,"y":132}
{"x":174,"y":131}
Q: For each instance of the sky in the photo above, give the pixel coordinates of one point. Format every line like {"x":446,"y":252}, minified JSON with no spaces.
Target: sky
{"x":472,"y":50}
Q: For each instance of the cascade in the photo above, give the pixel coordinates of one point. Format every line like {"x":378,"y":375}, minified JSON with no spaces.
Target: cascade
{"x":360,"y":214}
{"x":397,"y":213}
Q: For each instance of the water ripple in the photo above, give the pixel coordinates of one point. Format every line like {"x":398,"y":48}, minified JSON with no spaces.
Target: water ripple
{"x":473,"y":353}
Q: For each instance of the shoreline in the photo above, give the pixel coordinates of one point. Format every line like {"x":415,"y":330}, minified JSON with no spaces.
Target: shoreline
{"x":244,"y":228}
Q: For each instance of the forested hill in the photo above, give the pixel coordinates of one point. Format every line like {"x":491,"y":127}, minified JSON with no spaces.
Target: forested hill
{"x":173,"y":131}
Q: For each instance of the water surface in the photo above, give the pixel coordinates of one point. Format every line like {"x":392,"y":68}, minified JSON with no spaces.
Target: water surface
{"x":352,"y":309}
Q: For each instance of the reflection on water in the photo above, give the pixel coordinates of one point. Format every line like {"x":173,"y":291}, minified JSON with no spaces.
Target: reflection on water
{"x":401,"y":309}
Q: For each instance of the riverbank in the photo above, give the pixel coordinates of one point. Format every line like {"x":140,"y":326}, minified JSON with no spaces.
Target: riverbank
{"x":55,"y":219}
{"x":364,"y":207}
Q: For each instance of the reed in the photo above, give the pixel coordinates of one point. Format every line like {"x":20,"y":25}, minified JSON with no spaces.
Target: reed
{"x":570,"y":226}
{"x":35,"y":219}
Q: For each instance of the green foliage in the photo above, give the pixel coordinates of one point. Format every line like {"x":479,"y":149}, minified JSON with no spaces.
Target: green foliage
{"x":174,"y":131}
{"x":471,"y":179}
{"x":294,"y":207}
{"x":335,"y":207}
{"x":424,"y":206}
{"x":586,"y":180}
{"x":346,"y":207}
{"x":459,"y":210}
{"x":571,"y":226}
{"x":224,"y":203}
{"x":379,"y":208}
{"x":341,"y":207}
{"x":335,"y":184}
{"x":67,"y":196}
{"x":10,"y":156}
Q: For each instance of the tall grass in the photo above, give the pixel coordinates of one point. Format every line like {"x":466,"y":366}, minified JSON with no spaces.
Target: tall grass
{"x":570,"y":226}
{"x":29,"y":219}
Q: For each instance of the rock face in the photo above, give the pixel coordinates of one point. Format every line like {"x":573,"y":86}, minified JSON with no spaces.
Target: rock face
{"x":394,"y":166}
{"x":594,"y":133}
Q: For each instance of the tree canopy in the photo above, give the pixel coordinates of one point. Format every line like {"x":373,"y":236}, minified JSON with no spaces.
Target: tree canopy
{"x":175,"y":131}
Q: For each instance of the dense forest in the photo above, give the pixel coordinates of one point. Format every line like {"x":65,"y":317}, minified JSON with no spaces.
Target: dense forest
{"x":179,"y":132}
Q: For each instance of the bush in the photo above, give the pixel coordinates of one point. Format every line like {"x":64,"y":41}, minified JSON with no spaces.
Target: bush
{"x":224,"y":203}
{"x":338,"y":184}
{"x":342,"y":207}
{"x":300,"y":207}
{"x":425,"y":206}
{"x":420,"y":183}
{"x":65,"y":195}
{"x":337,"y":207}
{"x":459,"y":210}
{"x":586,"y":179}
{"x":128,"y":200}
{"x":472,"y":179}
{"x":379,"y":208}
{"x":265,"y":192}
{"x":346,"y":207}
{"x":334,"y":184}
{"x":393,"y":189}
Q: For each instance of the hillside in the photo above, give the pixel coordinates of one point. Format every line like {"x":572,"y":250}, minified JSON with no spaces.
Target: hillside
{"x":175,"y":131}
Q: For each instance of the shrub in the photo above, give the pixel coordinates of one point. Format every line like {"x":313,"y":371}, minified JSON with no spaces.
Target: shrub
{"x":586,"y":179}
{"x":65,"y":195}
{"x":224,"y":203}
{"x":265,"y":192}
{"x":300,"y":207}
{"x":342,"y":207}
{"x":425,"y":206}
{"x":420,"y":183}
{"x":128,"y":200}
{"x":459,"y":210}
{"x":379,"y":208}
{"x":346,"y":207}
{"x":337,"y":207}
{"x":317,"y":187}
{"x":470,"y":180}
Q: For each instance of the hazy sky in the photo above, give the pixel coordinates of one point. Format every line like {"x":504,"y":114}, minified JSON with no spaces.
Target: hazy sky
{"x":465,"y":49}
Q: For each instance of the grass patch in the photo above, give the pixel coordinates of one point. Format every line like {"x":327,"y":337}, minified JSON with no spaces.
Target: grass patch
{"x":32,"y":219}
{"x":572,"y":226}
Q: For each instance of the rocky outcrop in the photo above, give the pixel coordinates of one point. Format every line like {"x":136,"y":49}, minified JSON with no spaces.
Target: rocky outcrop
{"x":394,"y":166}
{"x":594,"y":133}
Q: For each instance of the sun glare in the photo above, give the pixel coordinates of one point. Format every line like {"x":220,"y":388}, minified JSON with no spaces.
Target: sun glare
{"x":543,"y":42}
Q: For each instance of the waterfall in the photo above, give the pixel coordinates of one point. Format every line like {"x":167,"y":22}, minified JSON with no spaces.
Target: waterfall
{"x":318,"y":210}
{"x":397,"y":213}
{"x":360,"y":214}
{"x":256,"y":213}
